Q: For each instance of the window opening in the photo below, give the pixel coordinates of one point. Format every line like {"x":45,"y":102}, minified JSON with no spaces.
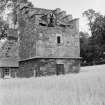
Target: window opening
{"x":6,"y":71}
{"x":59,"y":69}
{"x":58,"y":39}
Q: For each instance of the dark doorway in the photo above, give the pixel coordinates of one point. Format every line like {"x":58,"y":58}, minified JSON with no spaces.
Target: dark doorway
{"x":59,"y":69}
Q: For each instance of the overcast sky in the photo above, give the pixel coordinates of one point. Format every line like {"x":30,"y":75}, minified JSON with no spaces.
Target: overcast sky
{"x":74,"y":7}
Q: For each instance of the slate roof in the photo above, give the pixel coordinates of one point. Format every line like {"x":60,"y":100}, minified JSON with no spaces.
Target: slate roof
{"x":8,"y":53}
{"x":8,"y":62}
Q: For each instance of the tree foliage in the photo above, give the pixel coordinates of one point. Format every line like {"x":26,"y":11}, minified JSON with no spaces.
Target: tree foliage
{"x":95,"y":47}
{"x":98,"y":29}
{"x":91,"y":15}
{"x":4,"y":25}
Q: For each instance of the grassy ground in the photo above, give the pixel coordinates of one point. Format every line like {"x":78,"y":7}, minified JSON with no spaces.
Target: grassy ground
{"x":85,"y":88}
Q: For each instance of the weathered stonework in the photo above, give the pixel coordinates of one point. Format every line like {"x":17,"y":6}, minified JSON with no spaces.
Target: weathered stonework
{"x":44,"y":42}
{"x":12,"y":71}
{"x":9,"y":57}
{"x":42,"y":67}
{"x":46,"y":50}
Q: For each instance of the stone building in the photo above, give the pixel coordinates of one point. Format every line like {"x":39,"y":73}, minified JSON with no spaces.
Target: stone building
{"x":8,"y":68}
{"x":8,"y":57}
{"x":48,"y":42}
{"x":41,"y":42}
{"x":8,"y":44}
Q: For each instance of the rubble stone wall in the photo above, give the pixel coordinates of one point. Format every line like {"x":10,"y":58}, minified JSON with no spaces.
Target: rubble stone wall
{"x":43,"y":67}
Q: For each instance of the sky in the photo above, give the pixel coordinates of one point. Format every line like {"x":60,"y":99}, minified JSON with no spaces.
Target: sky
{"x":74,"y":7}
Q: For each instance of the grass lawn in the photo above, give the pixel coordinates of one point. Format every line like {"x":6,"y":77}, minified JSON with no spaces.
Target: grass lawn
{"x":84,"y":88}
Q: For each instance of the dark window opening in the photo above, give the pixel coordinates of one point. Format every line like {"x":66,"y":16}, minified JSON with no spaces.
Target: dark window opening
{"x":59,"y":69}
{"x":42,"y":24}
{"x":6,"y":71}
{"x":58,"y":39}
{"x":62,"y":25}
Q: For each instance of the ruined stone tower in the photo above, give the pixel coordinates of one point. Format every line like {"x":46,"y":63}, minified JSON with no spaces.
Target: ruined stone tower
{"x":44,"y":42}
{"x":48,"y":42}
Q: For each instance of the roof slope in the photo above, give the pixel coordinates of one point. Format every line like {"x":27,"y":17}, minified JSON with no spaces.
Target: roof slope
{"x":8,"y":53}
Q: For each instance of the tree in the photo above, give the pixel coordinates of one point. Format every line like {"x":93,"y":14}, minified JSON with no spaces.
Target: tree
{"x":98,"y":29}
{"x":84,"y":40}
{"x":98,"y":36}
{"x":89,"y":51}
{"x":3,"y":25}
{"x":95,"y":51}
{"x":91,"y":15}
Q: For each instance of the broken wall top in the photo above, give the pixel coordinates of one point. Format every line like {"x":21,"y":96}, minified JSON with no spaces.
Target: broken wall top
{"x":28,"y":14}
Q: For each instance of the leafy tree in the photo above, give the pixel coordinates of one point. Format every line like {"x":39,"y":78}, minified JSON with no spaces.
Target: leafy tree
{"x":89,"y":51}
{"x":91,"y":15}
{"x":3,"y":29}
{"x":98,"y":36}
{"x":95,"y":48}
{"x":84,"y":37}
{"x":98,"y":29}
{"x":3,"y":25}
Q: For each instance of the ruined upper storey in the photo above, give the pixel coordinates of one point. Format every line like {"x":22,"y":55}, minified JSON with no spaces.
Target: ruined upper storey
{"x":44,"y":17}
{"x":47,"y":33}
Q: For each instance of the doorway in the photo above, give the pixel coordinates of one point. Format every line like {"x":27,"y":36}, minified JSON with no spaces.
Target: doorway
{"x":59,"y":69}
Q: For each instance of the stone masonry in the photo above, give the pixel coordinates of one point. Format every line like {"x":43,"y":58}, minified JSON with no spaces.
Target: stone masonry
{"x":48,"y":42}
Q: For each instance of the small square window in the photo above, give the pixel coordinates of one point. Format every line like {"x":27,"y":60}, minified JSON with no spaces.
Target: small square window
{"x":58,"y":39}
